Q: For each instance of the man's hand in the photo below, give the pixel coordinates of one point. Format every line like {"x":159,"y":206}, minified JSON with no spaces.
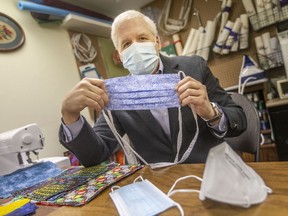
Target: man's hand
{"x":192,"y":92}
{"x":87,"y":93}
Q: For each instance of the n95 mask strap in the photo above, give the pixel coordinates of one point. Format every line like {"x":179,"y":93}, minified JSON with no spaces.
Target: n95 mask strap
{"x":141,"y":198}
{"x":228,"y":179}
{"x":142,"y":92}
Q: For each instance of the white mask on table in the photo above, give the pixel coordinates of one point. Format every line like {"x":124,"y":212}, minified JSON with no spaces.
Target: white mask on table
{"x":228,"y":179}
{"x":141,"y":198}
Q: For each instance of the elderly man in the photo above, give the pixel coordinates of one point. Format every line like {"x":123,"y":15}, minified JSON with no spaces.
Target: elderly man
{"x":152,"y":133}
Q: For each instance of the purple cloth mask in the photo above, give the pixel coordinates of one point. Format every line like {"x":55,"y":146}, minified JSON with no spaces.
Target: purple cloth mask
{"x":141,"y":92}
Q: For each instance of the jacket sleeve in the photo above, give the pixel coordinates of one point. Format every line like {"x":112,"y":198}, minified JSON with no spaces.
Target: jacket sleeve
{"x":235,"y":115}
{"x":93,"y":145}
{"x":196,"y":67}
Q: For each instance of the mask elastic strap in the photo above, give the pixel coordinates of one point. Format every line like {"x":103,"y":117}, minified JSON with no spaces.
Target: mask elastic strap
{"x":180,"y":137}
{"x":122,"y":142}
{"x":172,"y":191}
{"x":189,"y":149}
{"x":138,"y":179}
{"x":180,"y":208}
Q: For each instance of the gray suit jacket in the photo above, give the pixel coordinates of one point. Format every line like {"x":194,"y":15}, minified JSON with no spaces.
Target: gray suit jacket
{"x":94,"y":145}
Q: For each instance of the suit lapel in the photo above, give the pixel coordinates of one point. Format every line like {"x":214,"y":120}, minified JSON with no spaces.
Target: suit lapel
{"x":174,"y":126}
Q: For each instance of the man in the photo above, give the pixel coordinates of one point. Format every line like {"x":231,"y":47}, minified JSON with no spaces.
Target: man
{"x":153,"y":133}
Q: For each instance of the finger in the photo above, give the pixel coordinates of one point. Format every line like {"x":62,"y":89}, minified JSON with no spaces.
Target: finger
{"x":186,"y":79}
{"x":97,"y":105}
{"x":99,"y":96}
{"x":95,"y":90}
{"x":188,"y":83}
{"x":96,"y":82}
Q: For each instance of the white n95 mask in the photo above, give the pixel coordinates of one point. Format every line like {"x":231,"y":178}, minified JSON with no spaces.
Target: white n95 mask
{"x":140,"y":58}
{"x":229,"y":180}
{"x":141,"y":198}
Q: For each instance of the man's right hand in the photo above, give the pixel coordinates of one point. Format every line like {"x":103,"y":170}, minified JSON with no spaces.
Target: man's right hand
{"x":87,"y":93}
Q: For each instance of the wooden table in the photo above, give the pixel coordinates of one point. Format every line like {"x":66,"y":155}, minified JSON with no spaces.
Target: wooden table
{"x":275,"y":175}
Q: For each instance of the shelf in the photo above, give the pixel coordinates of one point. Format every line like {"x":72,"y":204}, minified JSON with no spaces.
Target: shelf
{"x":82,"y":24}
{"x":231,"y":88}
{"x":276,"y":102}
{"x":268,"y":17}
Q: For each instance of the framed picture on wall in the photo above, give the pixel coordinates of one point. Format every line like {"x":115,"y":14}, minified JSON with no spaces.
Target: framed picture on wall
{"x":11,"y":34}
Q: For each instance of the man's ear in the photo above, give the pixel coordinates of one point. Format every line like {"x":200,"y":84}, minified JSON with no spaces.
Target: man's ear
{"x":116,"y":57}
{"x":119,"y":56}
{"x":158,"y":43}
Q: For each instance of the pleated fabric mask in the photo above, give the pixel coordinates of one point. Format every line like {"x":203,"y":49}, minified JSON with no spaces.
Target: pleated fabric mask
{"x":141,"y":92}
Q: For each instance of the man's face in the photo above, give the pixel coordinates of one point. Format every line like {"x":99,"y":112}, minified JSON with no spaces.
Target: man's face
{"x":135,"y":30}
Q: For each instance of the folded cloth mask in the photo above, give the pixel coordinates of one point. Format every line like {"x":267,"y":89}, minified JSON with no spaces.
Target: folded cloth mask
{"x":142,"y":92}
{"x":228,"y":179}
{"x":141,"y":198}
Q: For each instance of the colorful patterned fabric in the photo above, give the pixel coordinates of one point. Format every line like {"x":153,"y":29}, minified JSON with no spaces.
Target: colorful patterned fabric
{"x":27,"y":177}
{"x":78,"y":185}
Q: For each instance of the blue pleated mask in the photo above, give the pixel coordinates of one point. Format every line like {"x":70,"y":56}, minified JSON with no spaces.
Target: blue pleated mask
{"x":142,"y":92}
{"x":141,"y":198}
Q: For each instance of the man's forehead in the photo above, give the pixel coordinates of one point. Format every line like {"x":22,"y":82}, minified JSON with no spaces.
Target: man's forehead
{"x":132,"y":28}
{"x":132,"y":21}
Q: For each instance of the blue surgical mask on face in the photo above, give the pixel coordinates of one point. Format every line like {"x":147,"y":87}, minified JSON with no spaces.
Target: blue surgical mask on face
{"x":140,"y":58}
{"x":142,"y":199}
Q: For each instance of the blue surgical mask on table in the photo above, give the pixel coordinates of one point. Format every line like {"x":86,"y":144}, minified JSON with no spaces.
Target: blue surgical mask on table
{"x":144,"y":92}
{"x":140,"y":58}
{"x":228,"y":179}
{"x":141,"y":198}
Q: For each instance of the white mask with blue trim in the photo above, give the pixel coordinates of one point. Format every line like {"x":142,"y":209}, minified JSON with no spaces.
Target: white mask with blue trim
{"x":141,"y":198}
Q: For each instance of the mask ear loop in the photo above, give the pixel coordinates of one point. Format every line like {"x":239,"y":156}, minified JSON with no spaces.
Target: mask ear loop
{"x":115,"y":187}
{"x":138,"y":179}
{"x":179,"y":139}
{"x":172,"y":191}
{"x":122,"y":142}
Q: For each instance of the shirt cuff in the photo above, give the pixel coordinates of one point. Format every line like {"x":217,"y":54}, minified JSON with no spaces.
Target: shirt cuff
{"x":72,"y":130}
{"x":220,"y":129}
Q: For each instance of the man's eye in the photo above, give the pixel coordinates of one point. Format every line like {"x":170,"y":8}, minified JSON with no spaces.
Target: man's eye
{"x":125,"y":45}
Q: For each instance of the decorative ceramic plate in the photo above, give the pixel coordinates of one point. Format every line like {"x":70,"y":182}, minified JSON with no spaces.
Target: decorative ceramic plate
{"x":11,"y":33}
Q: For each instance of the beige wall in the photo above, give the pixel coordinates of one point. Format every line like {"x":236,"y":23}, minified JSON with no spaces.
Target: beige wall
{"x":35,"y":78}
